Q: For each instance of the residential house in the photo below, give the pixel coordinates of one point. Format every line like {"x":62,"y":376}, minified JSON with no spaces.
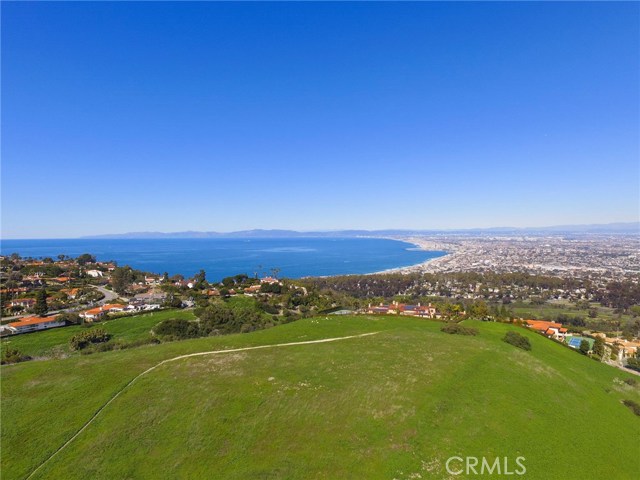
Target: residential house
{"x":31,"y":324}
{"x":549,"y":329}
{"x":97,"y":313}
{"x":71,"y":292}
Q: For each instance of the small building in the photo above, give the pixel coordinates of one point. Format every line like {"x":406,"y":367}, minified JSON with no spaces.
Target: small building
{"x":95,"y":273}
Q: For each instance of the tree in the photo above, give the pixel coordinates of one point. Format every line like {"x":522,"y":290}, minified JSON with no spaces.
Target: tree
{"x":172,"y":300}
{"x":598,"y":347}
{"x":41,"y":308}
{"x":121,"y":278}
{"x":200,"y":278}
{"x":86,"y":258}
{"x":584,"y":347}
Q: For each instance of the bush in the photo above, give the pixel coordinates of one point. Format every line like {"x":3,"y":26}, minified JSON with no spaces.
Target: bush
{"x":176,"y":328}
{"x":119,"y":345}
{"x":631,"y":381}
{"x":72,"y":318}
{"x":517,"y":340}
{"x":84,"y":339}
{"x":13,"y":355}
{"x":634,"y":406}
{"x":633,"y":364}
{"x":457,"y":329}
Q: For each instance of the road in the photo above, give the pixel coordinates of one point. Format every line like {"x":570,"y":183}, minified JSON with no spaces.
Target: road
{"x":109,"y":295}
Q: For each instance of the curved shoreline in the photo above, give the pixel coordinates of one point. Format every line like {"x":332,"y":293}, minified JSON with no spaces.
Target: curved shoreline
{"x":423,"y":244}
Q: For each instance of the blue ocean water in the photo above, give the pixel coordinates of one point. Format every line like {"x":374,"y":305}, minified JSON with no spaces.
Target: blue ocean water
{"x":294,"y":257}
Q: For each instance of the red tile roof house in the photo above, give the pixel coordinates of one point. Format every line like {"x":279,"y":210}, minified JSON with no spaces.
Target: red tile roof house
{"x":32,"y":324}
{"x":424,"y":311}
{"x":99,"y":312}
{"x":549,"y":329}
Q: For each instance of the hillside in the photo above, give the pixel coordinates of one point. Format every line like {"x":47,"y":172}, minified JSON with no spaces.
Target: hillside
{"x":395,"y":404}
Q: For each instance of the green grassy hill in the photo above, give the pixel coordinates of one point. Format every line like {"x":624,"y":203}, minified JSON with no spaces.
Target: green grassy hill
{"x":396,"y":404}
{"x":55,"y":342}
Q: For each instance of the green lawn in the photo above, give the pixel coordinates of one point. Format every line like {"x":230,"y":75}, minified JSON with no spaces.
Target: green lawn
{"x":392,"y":405}
{"x":55,"y":342}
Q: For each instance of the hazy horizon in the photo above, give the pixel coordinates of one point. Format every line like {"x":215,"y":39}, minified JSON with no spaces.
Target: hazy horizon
{"x":612,"y":227}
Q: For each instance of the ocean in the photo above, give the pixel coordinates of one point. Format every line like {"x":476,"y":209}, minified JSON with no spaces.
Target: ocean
{"x":293,"y":257}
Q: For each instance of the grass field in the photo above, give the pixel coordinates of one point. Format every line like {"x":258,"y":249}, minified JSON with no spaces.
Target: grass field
{"x":396,"y":404}
{"x":550,"y":310}
{"x":55,"y":342}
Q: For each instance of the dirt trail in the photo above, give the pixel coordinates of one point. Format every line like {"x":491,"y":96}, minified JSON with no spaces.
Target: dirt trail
{"x":198,"y":354}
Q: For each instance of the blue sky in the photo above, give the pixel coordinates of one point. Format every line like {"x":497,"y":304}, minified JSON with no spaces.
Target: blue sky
{"x":121,"y":117}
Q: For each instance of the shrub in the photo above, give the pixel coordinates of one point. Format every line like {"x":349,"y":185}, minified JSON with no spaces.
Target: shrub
{"x":84,"y":339}
{"x":457,"y":329}
{"x":176,"y":328}
{"x":631,"y":381}
{"x":633,"y":364}
{"x":13,"y":355}
{"x":634,"y":406}
{"x":119,"y":345}
{"x":517,"y":340}
{"x":72,"y":318}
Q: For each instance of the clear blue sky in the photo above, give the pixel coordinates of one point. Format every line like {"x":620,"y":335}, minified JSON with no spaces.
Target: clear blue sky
{"x":122,"y":117}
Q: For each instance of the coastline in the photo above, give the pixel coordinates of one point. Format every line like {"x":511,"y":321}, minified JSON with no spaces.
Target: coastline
{"x":449,"y":249}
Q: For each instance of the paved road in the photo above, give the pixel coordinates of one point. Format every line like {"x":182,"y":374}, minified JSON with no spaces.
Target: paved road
{"x":109,"y":295}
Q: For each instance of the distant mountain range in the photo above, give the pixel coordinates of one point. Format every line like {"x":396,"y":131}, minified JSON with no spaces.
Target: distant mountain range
{"x":609,"y":228}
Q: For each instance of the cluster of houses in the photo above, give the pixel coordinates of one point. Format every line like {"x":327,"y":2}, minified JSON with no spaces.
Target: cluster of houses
{"x":395,"y":308}
{"x":624,"y":348}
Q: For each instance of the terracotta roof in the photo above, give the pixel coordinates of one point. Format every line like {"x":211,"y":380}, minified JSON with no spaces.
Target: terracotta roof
{"x":33,"y":321}
{"x":542,"y":325}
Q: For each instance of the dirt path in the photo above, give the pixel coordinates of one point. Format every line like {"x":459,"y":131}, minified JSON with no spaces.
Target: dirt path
{"x":199,"y":354}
